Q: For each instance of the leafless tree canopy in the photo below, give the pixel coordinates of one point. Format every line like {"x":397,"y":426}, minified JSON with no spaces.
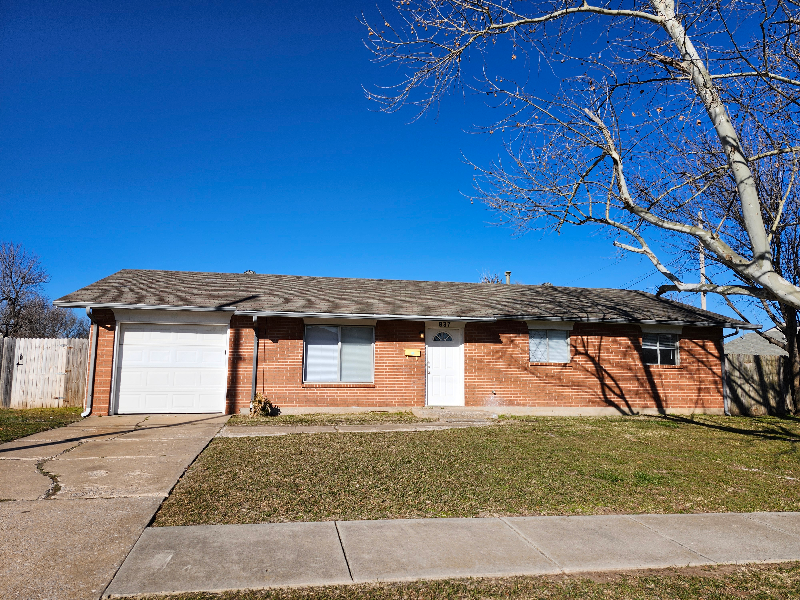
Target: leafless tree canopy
{"x":490,"y":277}
{"x":676,"y":127}
{"x":24,"y":311}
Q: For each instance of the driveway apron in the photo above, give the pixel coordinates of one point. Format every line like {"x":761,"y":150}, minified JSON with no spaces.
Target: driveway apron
{"x":76,"y":499}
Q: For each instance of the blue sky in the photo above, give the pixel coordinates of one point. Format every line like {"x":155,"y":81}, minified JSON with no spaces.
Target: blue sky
{"x":224,"y":136}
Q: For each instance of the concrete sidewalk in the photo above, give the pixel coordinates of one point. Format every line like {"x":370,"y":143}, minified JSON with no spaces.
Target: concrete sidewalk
{"x":228,"y":557}
{"x":77,"y":498}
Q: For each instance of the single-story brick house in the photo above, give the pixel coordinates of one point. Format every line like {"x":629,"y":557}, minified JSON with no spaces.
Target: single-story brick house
{"x":170,"y":341}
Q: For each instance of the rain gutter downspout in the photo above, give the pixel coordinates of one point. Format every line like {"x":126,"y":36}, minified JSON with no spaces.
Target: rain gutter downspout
{"x":92,"y":362}
{"x":255,"y":361}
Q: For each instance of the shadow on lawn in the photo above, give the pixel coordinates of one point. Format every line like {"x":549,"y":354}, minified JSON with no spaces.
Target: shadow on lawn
{"x":768,"y":430}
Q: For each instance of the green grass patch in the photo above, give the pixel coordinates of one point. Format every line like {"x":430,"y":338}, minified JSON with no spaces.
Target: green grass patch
{"x":760,"y":582}
{"x":545,"y":466}
{"x":17,"y":423}
{"x":360,"y":418}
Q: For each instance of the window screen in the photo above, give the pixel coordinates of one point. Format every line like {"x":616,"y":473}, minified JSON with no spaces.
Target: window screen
{"x":335,"y":354}
{"x":660,"y":348}
{"x":549,"y":345}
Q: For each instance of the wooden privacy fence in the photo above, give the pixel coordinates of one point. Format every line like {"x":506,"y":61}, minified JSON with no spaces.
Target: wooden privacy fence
{"x":42,"y":372}
{"x":754,"y":384}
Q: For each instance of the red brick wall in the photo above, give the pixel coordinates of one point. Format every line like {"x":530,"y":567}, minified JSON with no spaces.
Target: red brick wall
{"x":105,"y":356}
{"x":240,"y":364}
{"x":606,"y":369}
{"x":399,"y":380}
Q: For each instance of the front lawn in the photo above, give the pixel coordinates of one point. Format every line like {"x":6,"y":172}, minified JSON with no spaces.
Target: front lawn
{"x":718,"y":583}
{"x":373,"y":417}
{"x":17,"y":423}
{"x":536,"y":466}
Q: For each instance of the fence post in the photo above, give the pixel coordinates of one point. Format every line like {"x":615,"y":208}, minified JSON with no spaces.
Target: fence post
{"x":7,"y":371}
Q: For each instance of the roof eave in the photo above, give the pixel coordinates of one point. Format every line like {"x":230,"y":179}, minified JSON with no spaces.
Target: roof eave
{"x":397,"y":317}
{"x":724,"y":324}
{"x":379,"y":317}
{"x":113,"y":305}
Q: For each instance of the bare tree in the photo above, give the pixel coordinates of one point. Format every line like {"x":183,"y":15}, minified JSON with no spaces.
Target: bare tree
{"x":21,"y":280}
{"x":24,"y":310}
{"x":40,"y":319}
{"x":490,"y":277}
{"x":671,"y":111}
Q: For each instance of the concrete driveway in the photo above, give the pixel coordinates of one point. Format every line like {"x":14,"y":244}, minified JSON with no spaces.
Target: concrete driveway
{"x":76,"y":499}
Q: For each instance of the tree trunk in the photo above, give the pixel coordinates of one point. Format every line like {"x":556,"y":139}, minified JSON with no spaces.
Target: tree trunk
{"x":791,"y":372}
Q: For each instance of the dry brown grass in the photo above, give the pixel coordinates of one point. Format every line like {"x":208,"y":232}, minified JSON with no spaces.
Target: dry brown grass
{"x":17,"y":423}
{"x":759,"y":582}
{"x":544,"y":466}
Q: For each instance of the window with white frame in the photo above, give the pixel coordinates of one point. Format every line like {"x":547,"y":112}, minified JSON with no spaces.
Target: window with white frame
{"x":660,"y":348}
{"x":338,"y":354}
{"x":549,"y":345}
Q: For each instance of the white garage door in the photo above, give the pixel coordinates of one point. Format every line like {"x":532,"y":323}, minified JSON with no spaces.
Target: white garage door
{"x":172,"y":368}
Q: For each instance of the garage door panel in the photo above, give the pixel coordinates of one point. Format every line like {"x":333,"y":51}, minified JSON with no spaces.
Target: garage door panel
{"x":159,"y":337}
{"x":135,"y":401}
{"x":213,"y":377}
{"x":214,"y":358}
{"x":207,"y":401}
{"x":191,"y":357}
{"x":131,"y":378}
{"x":184,"y":400}
{"x":158,"y":378}
{"x":172,"y":368}
{"x":153,"y":402}
{"x":188,"y":378}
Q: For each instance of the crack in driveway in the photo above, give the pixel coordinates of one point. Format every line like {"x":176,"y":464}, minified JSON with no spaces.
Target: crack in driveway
{"x":55,"y":484}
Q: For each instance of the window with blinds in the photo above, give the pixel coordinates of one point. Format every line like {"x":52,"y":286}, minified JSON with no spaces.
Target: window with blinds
{"x":339,"y":354}
{"x":549,"y":345}
{"x":660,"y":348}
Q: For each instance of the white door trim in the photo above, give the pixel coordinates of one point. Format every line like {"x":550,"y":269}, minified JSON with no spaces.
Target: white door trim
{"x":113,"y":400}
{"x":431,"y":328}
{"x":161,"y":317}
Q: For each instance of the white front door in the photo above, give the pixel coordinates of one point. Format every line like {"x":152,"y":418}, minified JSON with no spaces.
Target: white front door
{"x":172,"y":368}
{"x":445,"y":362}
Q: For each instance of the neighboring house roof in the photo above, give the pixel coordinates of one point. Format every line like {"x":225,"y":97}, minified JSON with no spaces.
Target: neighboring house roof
{"x":329,"y":296}
{"x":752,"y":343}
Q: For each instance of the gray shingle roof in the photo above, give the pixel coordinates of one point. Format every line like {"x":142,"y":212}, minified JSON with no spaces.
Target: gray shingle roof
{"x":752,"y":343}
{"x":289,"y":294}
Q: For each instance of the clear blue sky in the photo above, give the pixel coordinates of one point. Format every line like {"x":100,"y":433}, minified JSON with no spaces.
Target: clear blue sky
{"x":233,"y":135}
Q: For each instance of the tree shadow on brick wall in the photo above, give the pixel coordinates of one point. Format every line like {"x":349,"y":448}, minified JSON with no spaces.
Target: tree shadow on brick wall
{"x":234,"y":358}
{"x":612,"y":391}
{"x":643,"y":382}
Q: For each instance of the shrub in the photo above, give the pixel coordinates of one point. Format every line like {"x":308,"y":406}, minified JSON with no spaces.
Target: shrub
{"x":261,"y":406}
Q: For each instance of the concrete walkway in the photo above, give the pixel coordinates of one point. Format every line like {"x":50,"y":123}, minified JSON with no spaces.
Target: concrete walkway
{"x":228,"y":557}
{"x":76,"y":498}
{"x":451,"y":418}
